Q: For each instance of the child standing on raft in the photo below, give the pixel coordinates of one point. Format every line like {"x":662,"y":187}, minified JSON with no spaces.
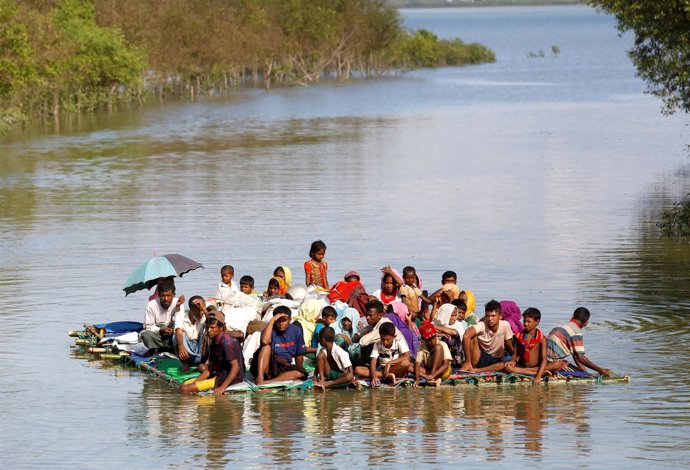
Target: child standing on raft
{"x":316,"y":269}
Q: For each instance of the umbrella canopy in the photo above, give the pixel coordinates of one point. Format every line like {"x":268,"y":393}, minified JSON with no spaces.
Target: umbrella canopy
{"x":147,"y":274}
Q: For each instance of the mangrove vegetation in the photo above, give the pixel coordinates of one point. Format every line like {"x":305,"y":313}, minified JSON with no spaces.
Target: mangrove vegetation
{"x":61,"y":57}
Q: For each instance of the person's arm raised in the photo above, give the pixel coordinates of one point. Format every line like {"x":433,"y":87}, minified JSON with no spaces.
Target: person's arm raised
{"x":268,"y":331}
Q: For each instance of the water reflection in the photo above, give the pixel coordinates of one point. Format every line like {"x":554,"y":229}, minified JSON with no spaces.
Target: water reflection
{"x":372,"y":427}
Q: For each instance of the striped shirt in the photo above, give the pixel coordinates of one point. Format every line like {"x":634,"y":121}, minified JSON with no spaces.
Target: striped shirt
{"x":564,"y":341}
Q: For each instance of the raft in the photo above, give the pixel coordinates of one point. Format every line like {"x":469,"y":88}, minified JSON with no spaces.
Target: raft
{"x":167,"y":367}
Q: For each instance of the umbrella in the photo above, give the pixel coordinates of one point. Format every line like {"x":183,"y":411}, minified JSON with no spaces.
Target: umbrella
{"x":147,"y":274}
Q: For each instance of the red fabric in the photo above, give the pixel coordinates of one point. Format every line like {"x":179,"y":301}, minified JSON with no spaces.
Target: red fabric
{"x":352,"y":292}
{"x":528,"y":344}
{"x":427,"y":329}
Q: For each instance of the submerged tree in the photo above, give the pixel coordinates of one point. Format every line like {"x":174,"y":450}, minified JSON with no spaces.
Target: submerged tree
{"x":662,"y":45}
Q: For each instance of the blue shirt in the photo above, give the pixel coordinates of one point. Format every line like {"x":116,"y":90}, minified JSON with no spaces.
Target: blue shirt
{"x":290,"y":343}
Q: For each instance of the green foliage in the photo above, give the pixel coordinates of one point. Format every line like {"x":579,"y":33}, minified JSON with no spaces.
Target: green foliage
{"x":16,"y":62}
{"x":60,"y":56}
{"x":675,"y":221}
{"x":662,"y":45}
{"x":424,"y":49}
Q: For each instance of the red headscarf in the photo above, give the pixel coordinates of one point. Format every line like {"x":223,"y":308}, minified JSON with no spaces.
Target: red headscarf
{"x":427,"y":329}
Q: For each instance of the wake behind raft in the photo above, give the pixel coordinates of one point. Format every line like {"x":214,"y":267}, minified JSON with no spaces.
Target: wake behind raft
{"x":118,"y":341}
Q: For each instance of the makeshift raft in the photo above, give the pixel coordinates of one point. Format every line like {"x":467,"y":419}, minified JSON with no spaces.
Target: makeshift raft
{"x":96,"y":340}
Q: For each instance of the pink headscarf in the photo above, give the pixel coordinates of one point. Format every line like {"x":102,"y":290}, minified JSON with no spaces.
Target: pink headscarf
{"x":401,"y":310}
{"x":511,"y":313}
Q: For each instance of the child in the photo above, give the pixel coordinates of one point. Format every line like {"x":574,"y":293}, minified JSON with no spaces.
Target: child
{"x":411,"y":292}
{"x":467,"y":296}
{"x":225,"y":364}
{"x":530,"y":349}
{"x":316,"y":269}
{"x":390,"y":283}
{"x":448,"y":277}
{"x":283,"y":275}
{"x":333,"y":366}
{"x":433,"y":358}
{"x":390,"y":357}
{"x":227,"y":287}
{"x":247,"y":286}
{"x":273,"y":289}
{"x":328,"y":316}
{"x":347,"y":327}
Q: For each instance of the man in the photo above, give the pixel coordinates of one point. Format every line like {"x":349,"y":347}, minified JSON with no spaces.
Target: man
{"x":188,"y":327}
{"x":224,"y":361}
{"x":568,"y":340}
{"x":158,"y":331}
{"x":486,"y":343}
{"x":282,"y":350}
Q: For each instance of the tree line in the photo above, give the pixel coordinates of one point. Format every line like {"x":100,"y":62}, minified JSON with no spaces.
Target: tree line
{"x":71,"y":56}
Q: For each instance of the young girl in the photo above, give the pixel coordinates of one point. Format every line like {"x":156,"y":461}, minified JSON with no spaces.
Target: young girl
{"x":284,"y":277}
{"x":390,"y":283}
{"x":316,"y":269}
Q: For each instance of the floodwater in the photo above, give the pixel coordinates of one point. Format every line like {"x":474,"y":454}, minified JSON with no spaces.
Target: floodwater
{"x":537,"y":179}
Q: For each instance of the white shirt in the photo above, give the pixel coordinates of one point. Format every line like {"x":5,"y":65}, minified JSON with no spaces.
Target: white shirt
{"x":340,"y":356}
{"x":385,"y":355}
{"x":191,"y":331}
{"x":225,"y":291}
{"x":156,"y":316}
{"x":370,"y":335}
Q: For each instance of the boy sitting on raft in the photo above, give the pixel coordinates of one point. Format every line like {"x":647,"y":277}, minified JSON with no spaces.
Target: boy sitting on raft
{"x":282,"y":350}
{"x":486,"y":343}
{"x":224,"y":361}
{"x":530,"y":349}
{"x":433,"y":357}
{"x":390,"y":357}
{"x":333,"y":366}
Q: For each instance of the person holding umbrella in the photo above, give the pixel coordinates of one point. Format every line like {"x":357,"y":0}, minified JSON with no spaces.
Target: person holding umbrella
{"x":158,"y":331}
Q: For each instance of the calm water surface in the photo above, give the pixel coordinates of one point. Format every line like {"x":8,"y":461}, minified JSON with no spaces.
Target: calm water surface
{"x":536,"y":179}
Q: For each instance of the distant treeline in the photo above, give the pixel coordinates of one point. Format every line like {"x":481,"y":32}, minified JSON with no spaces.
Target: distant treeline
{"x":476,"y":3}
{"x":71,"y":56}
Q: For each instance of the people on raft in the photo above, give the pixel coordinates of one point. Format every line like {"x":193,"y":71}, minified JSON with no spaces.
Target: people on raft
{"x":224,"y":362}
{"x":498,"y":342}
{"x":389,"y":359}
{"x":158,"y":319}
{"x":369,"y":335}
{"x":568,"y":340}
{"x":282,"y":350}
{"x":486,"y":343}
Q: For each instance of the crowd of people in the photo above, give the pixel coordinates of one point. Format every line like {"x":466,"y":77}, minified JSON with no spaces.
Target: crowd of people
{"x":398,"y":331}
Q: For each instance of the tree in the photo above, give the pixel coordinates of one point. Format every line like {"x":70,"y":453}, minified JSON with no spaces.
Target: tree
{"x":662,"y":45}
